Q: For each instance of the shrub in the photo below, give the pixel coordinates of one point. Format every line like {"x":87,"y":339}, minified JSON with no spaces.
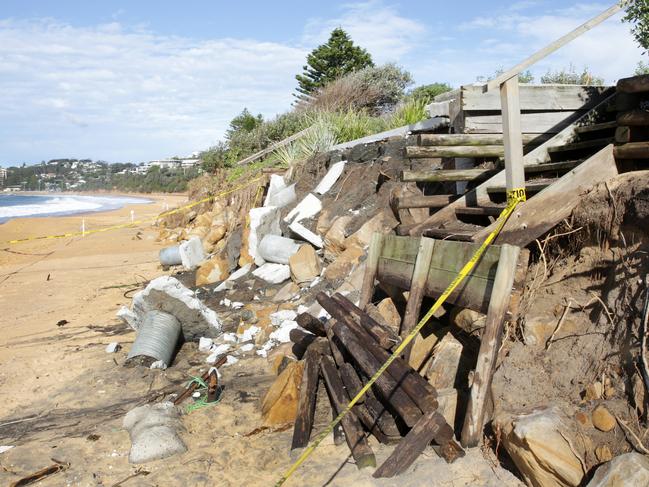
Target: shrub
{"x":413,"y":111}
{"x":375,"y":89}
{"x":429,"y":92}
{"x":571,"y":77}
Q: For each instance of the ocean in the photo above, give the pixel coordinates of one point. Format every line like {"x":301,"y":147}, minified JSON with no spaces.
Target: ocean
{"x":23,"y":206}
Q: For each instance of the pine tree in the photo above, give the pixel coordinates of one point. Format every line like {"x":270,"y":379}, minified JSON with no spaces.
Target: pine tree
{"x":329,"y":61}
{"x":637,"y":13}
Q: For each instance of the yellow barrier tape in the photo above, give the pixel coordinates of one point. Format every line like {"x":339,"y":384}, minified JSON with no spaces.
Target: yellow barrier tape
{"x":514,"y":197}
{"x":136,"y":222}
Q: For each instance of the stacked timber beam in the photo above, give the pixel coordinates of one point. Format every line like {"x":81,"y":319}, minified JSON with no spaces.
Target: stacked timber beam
{"x":632,"y":132}
{"x":345,"y":352}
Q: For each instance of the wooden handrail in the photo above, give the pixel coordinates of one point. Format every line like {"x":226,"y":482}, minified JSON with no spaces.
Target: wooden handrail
{"x":271,"y":148}
{"x":550,"y":48}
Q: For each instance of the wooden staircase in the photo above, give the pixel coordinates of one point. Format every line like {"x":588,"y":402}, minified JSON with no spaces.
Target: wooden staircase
{"x":577,"y":153}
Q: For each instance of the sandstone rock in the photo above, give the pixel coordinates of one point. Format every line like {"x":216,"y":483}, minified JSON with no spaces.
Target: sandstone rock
{"x":443,"y":370}
{"x":603,"y":454}
{"x":343,"y":265}
{"x":382,"y":222}
{"x":540,"y":444}
{"x":279,"y":405}
{"x":626,"y":470}
{"x":467,"y":319}
{"x":245,"y":258}
{"x":390,"y":314}
{"x":214,"y":270}
{"x":279,"y":354}
{"x":602,"y":419}
{"x":447,"y":400}
{"x":305,"y":264}
{"x":215,"y":234}
{"x":594,"y":391}
{"x":421,"y":353}
{"x":286,"y":293}
{"x":583,"y":419}
{"x":538,"y":329}
{"x":324,"y":222}
{"x":334,"y":239}
{"x":263,"y":221}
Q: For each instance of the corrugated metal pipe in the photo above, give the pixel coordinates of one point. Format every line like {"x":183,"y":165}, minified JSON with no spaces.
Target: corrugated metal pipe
{"x":170,"y":256}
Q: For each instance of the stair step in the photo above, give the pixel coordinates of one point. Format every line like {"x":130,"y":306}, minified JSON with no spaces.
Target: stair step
{"x":433,"y":201}
{"x":552,"y":166}
{"x":416,"y":151}
{"x":479,"y":210}
{"x":445,"y":175}
{"x":434,"y":140}
{"x":596,"y":127}
{"x":450,"y":234}
{"x":586,"y":144}
{"x":530,"y":187}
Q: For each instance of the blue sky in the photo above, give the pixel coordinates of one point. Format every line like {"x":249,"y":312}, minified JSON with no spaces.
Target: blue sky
{"x":133,"y":81}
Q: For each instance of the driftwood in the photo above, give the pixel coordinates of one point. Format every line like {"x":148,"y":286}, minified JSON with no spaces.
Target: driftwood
{"x":189,"y":390}
{"x":354,"y":435}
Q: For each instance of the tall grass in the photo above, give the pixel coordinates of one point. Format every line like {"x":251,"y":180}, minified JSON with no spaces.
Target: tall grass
{"x":413,"y":111}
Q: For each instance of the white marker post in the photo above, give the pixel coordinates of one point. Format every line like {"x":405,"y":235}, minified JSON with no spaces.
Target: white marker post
{"x":83,"y":227}
{"x":132,"y":216}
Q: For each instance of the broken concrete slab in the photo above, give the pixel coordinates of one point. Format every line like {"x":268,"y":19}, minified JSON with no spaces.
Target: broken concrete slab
{"x":191,"y":253}
{"x":167,"y":294}
{"x":286,"y":293}
{"x":327,"y":182}
{"x":273,"y":273}
{"x":239,"y":273}
{"x":306,"y":234}
{"x":153,"y":429}
{"x":275,"y":185}
{"x":263,"y":221}
{"x":277,"y":249}
{"x":308,"y":207}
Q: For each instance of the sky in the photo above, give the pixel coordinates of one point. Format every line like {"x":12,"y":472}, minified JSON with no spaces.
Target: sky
{"x":127,"y":81}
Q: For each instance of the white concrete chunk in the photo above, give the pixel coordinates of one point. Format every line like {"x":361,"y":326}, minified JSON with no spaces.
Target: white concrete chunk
{"x":330,"y":178}
{"x":278,"y":317}
{"x":274,"y":248}
{"x":205,"y":344}
{"x":308,"y":207}
{"x":284,"y":197}
{"x":306,"y":234}
{"x":263,"y":221}
{"x":239,"y":273}
{"x":275,"y":185}
{"x":191,"y":253}
{"x":281,"y":335}
{"x":273,"y":273}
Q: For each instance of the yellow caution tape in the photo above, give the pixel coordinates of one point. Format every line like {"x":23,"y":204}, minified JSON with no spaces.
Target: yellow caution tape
{"x":514,"y":197}
{"x":136,"y":222}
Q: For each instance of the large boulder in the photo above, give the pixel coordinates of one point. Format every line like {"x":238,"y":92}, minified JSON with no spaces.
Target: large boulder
{"x":626,"y":470}
{"x":279,"y":405}
{"x":542,"y":446}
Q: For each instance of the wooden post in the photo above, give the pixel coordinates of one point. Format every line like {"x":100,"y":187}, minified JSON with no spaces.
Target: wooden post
{"x":306,"y":400}
{"x":311,"y":323}
{"x":429,"y":426}
{"x":361,"y":451}
{"x":417,"y":290}
{"x":489,"y":345}
{"x":371,"y":267}
{"x":385,"y":336}
{"x":513,"y":138}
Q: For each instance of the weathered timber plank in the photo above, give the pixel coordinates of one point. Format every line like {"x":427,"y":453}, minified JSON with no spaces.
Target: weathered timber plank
{"x":415,"y":151}
{"x":479,"y":195}
{"x":461,"y":235}
{"x":633,"y":118}
{"x":470,"y":139}
{"x":380,"y":332}
{"x":385,"y":386}
{"x":356,"y":440}
{"x":434,"y":201}
{"x":417,"y":287}
{"x":596,"y":127}
{"x":480,"y":210}
{"x":632,"y":150}
{"x":489,"y":345}
{"x":511,"y":120}
{"x":397,"y":263}
{"x":533,"y":97}
{"x":413,"y":444}
{"x":442,"y":175}
{"x":531,"y":123}
{"x":531,"y":187}
{"x":584,"y":144}
{"x":371,"y":263}
{"x":306,"y":400}
{"x":634,"y":84}
{"x":542,"y":212}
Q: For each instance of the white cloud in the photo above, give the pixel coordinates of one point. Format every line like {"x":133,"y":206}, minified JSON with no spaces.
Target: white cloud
{"x":377,"y":27}
{"x":124,"y":94}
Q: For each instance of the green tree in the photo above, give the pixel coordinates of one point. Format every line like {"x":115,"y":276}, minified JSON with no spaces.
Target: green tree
{"x":329,"y":61}
{"x":244,"y":122}
{"x":641,"y":68}
{"x":428,"y":92}
{"x":637,"y":13}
